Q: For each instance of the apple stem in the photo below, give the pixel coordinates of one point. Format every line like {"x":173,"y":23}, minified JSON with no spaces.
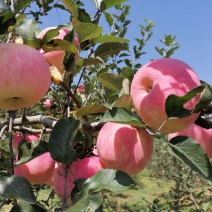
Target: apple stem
{"x":11,"y":118}
{"x":162,"y":125}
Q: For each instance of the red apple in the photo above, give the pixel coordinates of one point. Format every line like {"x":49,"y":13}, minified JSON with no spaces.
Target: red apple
{"x":25,"y":76}
{"x":50,"y":180}
{"x":56,"y":57}
{"x":84,"y":168}
{"x":201,"y":135}
{"x":124,"y":147}
{"x":38,"y":170}
{"x":29,"y":137}
{"x":153,"y":83}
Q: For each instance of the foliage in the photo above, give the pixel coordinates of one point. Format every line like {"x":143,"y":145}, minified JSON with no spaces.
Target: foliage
{"x":106,"y":66}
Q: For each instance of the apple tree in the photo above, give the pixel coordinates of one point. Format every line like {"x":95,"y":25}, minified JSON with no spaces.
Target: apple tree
{"x":80,"y":114}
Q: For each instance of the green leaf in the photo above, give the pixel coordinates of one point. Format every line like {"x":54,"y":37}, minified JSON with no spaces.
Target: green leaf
{"x":52,"y":33}
{"x":31,"y":150}
{"x":87,"y":62}
{"x":174,"y":104}
{"x":106,"y":4}
{"x":104,"y":180}
{"x":123,"y":116}
{"x":83,"y":16}
{"x":205,"y":99}
{"x":109,"y":18}
{"x":7,"y":19}
{"x":91,"y":109}
{"x":16,"y":187}
{"x":192,"y":154}
{"x":27,"y":29}
{"x":109,"y":39}
{"x":71,"y":6}
{"x":64,"y":136}
{"x":24,"y":206}
{"x":57,"y":44}
{"x":21,"y":4}
{"x":87,"y":31}
{"x":124,"y":101}
{"x":36,"y":43}
{"x":111,"y":80}
{"x":107,"y":49}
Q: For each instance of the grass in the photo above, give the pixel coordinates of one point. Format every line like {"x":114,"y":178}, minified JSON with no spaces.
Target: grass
{"x":150,"y":189}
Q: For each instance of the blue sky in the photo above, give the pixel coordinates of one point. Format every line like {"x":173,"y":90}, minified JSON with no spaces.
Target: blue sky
{"x":189,"y":20}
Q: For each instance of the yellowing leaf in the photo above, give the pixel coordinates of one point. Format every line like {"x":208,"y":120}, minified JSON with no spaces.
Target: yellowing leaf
{"x":56,"y":75}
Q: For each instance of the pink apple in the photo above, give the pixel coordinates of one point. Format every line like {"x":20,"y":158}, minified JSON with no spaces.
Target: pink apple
{"x":50,"y":180}
{"x":201,"y":135}
{"x":124,"y":147}
{"x":56,"y":57}
{"x":18,"y":137}
{"x":81,"y":89}
{"x":153,"y":83}
{"x":25,"y":76}
{"x":38,"y":170}
{"x":84,"y":168}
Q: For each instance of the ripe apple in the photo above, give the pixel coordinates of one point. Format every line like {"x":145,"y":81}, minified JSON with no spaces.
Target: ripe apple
{"x":84,"y":168}
{"x":49,"y":181}
{"x":39,"y":169}
{"x":153,"y":83}
{"x":25,"y":76}
{"x":201,"y":135}
{"x":124,"y":147}
{"x":56,"y":57}
{"x":18,"y":137}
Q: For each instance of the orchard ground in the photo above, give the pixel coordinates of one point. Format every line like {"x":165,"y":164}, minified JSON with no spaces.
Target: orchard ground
{"x":151,"y":188}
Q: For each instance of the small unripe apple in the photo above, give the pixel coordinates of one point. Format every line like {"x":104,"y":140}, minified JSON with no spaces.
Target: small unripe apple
{"x":37,"y":170}
{"x":25,"y":76}
{"x":84,"y":168}
{"x":201,"y":135}
{"x":153,"y":83}
{"x":56,"y":57}
{"x":124,"y":147}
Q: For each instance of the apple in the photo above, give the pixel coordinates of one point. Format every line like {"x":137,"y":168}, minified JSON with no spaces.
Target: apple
{"x":49,"y":181}
{"x":201,"y":135}
{"x":18,"y":137}
{"x":153,"y":83}
{"x":81,"y":89}
{"x":124,"y":147}
{"x":37,"y":170}
{"x":25,"y":76}
{"x":83,"y":168}
{"x":56,"y":57}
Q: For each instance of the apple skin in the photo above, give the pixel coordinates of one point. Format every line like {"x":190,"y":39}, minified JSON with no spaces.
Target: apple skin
{"x":29,"y":137}
{"x":124,"y":147}
{"x":201,"y":135}
{"x":153,"y":83}
{"x":56,"y":57}
{"x":39,"y":169}
{"x":83,"y":168}
{"x":25,"y":76}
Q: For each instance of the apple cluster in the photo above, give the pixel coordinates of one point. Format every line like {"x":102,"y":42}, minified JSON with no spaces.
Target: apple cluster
{"x":118,"y":146}
{"x":127,"y":148}
{"x":44,"y":170}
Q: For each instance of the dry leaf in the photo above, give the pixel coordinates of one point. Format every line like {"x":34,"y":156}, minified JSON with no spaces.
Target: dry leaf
{"x":56,"y":75}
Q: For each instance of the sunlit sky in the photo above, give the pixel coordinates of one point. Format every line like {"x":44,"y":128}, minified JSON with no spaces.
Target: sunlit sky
{"x":189,"y":20}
